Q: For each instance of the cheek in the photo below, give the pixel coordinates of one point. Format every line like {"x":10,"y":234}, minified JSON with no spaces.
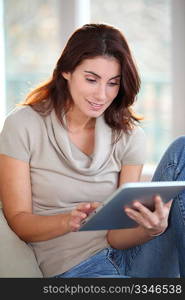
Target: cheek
{"x":74,"y":89}
{"x":79,"y":88}
{"x":113,"y":93}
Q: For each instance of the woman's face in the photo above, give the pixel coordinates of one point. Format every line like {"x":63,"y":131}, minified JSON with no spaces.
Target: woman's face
{"x":93,"y":85}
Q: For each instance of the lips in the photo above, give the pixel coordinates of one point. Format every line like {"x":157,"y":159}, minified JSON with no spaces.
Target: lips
{"x":95,"y":105}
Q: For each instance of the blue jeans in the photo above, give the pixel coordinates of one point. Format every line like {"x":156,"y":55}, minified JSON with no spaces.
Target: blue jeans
{"x":164,"y":256}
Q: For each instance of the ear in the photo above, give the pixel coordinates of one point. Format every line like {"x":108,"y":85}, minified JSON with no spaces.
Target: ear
{"x":66,"y":75}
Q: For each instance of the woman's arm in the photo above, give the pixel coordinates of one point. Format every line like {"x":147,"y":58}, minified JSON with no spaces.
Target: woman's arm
{"x":15,"y":193}
{"x":130,"y":174}
{"x":149,"y":223}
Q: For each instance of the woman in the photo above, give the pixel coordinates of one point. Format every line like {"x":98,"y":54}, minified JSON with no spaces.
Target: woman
{"x":70,"y":145}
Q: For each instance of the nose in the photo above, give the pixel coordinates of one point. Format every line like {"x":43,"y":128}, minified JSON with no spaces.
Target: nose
{"x":101,"y":93}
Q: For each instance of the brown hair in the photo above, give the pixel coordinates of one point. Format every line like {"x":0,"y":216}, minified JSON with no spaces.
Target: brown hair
{"x":89,"y":41}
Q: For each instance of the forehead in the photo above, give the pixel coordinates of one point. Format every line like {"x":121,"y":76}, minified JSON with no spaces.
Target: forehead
{"x":104,"y":66}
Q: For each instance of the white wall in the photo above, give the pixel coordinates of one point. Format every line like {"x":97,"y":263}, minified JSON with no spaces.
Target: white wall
{"x":178,"y":67}
{"x":72,"y":14}
{"x":2,"y":68}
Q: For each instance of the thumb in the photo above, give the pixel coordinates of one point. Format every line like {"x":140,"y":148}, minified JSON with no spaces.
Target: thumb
{"x":169,"y":203}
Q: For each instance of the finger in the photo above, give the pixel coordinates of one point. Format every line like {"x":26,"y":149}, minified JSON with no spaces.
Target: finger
{"x":88,"y":207}
{"x":83,"y":207}
{"x":78,"y":214}
{"x":159,"y":205}
{"x":161,"y":208}
{"x":152,"y":224}
{"x":138,"y":217}
{"x":95,"y":205}
{"x":169,"y":204}
{"x":150,"y":218}
{"x":76,"y":219}
{"x":74,"y":225}
{"x":142,"y":209}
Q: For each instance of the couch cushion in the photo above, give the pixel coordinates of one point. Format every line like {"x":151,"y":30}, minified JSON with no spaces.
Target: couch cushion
{"x":17,"y":259}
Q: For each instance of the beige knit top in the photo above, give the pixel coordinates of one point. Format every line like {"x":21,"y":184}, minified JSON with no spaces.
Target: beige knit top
{"x":62,"y":176}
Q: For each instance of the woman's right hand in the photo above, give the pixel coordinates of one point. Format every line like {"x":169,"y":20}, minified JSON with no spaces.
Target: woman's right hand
{"x":80,"y":213}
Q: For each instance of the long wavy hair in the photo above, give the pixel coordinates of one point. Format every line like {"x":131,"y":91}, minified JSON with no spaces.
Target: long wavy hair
{"x":89,"y":41}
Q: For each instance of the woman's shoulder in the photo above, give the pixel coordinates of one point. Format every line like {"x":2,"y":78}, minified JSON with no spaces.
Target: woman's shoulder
{"x":22,"y":112}
{"x":131,"y":146}
{"x":23,"y":120}
{"x":137,"y":133}
{"x":23,"y":116}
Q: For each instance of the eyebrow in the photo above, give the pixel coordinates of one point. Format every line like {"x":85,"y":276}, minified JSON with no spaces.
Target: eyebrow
{"x":90,"y":72}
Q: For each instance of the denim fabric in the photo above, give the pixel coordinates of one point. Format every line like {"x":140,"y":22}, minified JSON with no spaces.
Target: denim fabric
{"x":172,"y":167}
{"x":164,"y":256}
{"x":106,"y":263}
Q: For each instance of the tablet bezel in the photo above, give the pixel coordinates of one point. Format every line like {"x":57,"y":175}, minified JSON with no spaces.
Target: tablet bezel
{"x":110,"y":215}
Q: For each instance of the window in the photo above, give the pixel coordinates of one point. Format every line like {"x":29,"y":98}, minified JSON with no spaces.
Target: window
{"x":146,"y":26}
{"x":32,"y":36}
{"x":32,"y":45}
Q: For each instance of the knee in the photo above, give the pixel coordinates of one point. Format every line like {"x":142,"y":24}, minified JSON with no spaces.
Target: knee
{"x":176,"y":151}
{"x":179,"y":143}
{"x":180,"y":140}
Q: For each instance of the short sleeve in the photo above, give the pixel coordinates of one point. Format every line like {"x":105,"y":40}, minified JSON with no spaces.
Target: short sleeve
{"x":134,"y":148}
{"x":14,"y":138}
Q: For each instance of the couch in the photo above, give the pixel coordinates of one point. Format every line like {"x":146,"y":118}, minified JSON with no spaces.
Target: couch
{"x":17,"y":259}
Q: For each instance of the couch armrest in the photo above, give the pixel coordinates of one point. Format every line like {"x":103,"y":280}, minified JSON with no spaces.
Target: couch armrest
{"x":17,"y":259}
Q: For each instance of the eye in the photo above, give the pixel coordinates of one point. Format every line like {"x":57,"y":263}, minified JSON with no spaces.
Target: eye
{"x":91,"y":80}
{"x":113,"y":83}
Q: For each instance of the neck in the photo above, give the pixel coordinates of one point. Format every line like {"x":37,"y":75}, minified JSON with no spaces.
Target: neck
{"x":78,"y":122}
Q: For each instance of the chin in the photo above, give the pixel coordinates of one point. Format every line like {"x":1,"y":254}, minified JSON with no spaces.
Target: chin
{"x":95,"y":114}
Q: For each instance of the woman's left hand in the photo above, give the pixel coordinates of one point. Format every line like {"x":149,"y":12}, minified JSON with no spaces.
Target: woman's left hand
{"x":154,"y":222}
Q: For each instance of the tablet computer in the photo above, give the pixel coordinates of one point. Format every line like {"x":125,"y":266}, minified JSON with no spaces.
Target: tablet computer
{"x":110,"y":214}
